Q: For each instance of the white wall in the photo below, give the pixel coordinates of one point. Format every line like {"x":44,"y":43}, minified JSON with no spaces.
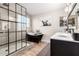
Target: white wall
{"x":53,"y":18}
{"x":29,"y":29}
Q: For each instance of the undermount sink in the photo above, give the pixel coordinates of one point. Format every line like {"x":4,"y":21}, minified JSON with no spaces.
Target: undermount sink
{"x":62,"y":36}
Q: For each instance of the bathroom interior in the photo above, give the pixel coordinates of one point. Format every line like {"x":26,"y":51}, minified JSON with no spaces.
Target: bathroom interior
{"x":17,"y":20}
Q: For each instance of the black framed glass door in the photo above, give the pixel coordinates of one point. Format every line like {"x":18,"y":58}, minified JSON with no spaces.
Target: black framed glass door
{"x":12,"y":27}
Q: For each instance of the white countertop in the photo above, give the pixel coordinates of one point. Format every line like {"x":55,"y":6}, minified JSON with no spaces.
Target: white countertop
{"x":64,"y":37}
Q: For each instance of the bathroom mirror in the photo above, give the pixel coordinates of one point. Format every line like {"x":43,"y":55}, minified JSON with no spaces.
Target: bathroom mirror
{"x":72,"y":18}
{"x":77,"y":16}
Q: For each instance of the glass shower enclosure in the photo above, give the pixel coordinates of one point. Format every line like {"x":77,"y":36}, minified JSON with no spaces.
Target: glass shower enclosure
{"x":12,"y":27}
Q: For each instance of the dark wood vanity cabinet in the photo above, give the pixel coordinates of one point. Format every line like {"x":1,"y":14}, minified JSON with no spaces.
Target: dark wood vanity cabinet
{"x":64,"y":48}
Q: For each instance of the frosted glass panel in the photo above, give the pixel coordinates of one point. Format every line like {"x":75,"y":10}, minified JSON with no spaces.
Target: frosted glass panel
{"x":18,"y":9}
{"x":23,"y":39}
{"x":4,"y":50}
{"x":28,"y":22}
{"x":12,"y":6}
{"x":18,"y":18}
{"x":18,"y":26}
{"x":23,"y":26}
{"x":23,"y":35}
{"x":12,"y":47}
{"x":23,"y":43}
{"x":18,"y":35}
{"x":4,"y":14}
{"x":18,"y":40}
{"x":4,"y":5}
{"x":23,"y":11}
{"x":24,"y":19}
{"x":12,"y":37}
{"x":11,"y":26}
{"x":12,"y":16}
{"x":18,"y":44}
{"x":3,"y":40}
{"x":3,"y":26}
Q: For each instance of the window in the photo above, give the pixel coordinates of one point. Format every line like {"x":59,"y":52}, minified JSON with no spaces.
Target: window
{"x":24,"y":19}
{"x":4,"y":25}
{"x":28,"y":22}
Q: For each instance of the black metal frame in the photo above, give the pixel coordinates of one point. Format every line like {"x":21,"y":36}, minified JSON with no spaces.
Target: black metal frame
{"x":15,"y":22}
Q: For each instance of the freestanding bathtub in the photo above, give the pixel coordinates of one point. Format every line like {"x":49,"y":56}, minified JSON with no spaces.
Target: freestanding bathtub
{"x":63,"y":44}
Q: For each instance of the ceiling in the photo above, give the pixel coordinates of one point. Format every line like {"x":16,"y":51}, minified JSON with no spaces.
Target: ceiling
{"x":38,"y":8}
